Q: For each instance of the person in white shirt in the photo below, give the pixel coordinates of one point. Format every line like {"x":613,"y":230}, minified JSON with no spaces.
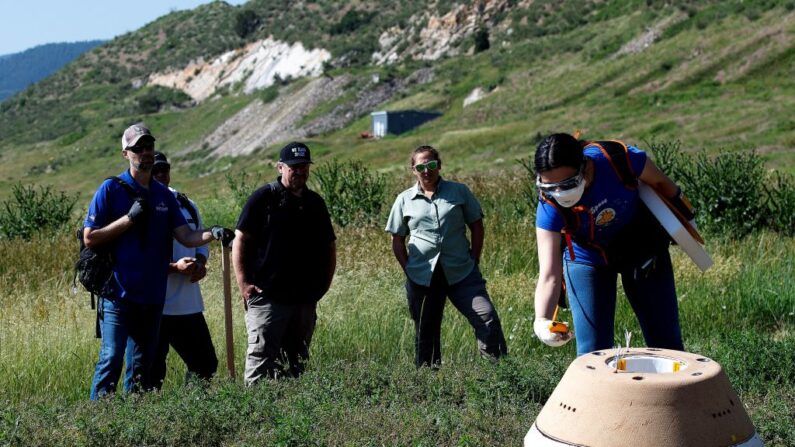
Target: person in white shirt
{"x":183,"y":326}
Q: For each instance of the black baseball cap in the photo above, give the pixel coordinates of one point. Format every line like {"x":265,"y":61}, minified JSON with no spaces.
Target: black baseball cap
{"x":161,"y":161}
{"x":295,"y":154}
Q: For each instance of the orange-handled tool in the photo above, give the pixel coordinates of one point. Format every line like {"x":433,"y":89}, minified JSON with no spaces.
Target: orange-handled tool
{"x":557,"y":326}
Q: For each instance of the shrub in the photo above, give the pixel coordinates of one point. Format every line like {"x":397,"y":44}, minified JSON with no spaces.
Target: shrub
{"x":353,"y":195}
{"x":246,"y":22}
{"x":269,"y":94}
{"x":225,"y":206}
{"x":152,"y":99}
{"x":781,"y":200}
{"x":351,"y":21}
{"x":481,"y":39}
{"x":733,"y":193}
{"x":32,"y":211}
{"x":242,"y":186}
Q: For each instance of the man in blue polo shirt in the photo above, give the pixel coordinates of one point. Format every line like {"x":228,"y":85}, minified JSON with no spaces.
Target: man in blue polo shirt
{"x":138,"y":230}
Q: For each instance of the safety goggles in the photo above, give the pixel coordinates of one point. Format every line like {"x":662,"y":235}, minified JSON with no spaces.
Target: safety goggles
{"x":563,"y":185}
{"x":432,"y":165}
{"x":140,"y":147}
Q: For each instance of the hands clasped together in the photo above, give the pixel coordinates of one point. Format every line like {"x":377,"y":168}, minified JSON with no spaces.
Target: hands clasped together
{"x":191,"y":267}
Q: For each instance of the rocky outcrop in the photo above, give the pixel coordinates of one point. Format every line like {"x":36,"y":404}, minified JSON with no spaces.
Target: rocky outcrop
{"x":257,"y":65}
{"x":260,"y":125}
{"x":650,"y":36}
{"x":429,"y":37}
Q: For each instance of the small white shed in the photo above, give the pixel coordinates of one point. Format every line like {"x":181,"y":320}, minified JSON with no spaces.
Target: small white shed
{"x":399,"y":121}
{"x":379,"y":124}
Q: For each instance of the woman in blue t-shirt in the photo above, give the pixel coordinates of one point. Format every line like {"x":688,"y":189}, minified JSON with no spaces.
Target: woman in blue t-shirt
{"x":608,"y":231}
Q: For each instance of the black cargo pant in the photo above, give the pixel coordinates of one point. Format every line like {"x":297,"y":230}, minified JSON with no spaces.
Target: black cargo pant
{"x":190,"y":337}
{"x":469,"y":296}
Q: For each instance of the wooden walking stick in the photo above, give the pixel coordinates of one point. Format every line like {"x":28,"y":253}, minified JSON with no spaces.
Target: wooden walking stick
{"x":230,"y":345}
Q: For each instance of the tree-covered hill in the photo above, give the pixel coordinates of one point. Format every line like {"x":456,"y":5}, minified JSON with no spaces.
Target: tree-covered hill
{"x":19,"y":70}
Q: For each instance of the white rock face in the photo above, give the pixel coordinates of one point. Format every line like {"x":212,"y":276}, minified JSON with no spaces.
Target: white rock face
{"x":256,"y":65}
{"x":474,"y":96}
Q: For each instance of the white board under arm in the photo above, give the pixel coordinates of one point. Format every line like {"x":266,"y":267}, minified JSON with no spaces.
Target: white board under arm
{"x":674,"y":227}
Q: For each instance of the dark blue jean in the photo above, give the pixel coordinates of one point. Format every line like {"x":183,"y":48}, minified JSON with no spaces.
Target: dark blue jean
{"x":652,"y":295}
{"x":131,"y":328}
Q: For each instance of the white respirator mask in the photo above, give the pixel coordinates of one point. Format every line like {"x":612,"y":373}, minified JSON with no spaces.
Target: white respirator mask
{"x":567,"y":192}
{"x":569,"y":197}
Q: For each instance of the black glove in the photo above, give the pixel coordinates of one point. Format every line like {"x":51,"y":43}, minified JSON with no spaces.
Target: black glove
{"x":138,"y":210}
{"x":225,"y":235}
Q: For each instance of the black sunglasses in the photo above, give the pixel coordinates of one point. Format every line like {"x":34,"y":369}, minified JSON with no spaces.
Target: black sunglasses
{"x":138,"y":148}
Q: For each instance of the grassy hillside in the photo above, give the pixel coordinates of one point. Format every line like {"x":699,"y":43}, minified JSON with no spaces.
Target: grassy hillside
{"x":701,"y":82}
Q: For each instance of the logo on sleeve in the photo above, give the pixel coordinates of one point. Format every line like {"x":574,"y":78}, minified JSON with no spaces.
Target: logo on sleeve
{"x":605,"y":216}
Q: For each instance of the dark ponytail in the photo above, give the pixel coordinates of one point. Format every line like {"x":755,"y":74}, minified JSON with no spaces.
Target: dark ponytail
{"x":556,"y":150}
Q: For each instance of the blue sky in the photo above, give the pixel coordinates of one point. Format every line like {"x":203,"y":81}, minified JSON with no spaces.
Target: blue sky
{"x":27,"y":23}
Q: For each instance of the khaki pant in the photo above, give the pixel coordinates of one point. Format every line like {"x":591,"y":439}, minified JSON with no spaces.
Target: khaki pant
{"x":279,"y":335}
{"x":469,"y":296}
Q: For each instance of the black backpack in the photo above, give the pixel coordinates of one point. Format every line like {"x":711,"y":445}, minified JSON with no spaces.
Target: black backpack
{"x":184,"y":202}
{"x":94,"y":267}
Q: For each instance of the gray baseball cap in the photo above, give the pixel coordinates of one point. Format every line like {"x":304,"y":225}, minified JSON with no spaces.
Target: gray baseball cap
{"x":133,"y":134}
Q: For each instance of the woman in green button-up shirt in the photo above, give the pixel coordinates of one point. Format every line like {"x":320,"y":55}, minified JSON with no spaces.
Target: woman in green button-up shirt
{"x":439,"y":261}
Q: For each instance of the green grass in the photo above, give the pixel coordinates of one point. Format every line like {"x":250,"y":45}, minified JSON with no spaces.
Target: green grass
{"x":741,"y":313}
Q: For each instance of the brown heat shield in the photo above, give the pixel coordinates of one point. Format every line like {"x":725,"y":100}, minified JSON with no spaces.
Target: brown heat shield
{"x":660,"y":398}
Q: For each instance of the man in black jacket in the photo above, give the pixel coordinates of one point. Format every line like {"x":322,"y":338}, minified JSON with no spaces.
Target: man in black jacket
{"x":284,"y":257}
